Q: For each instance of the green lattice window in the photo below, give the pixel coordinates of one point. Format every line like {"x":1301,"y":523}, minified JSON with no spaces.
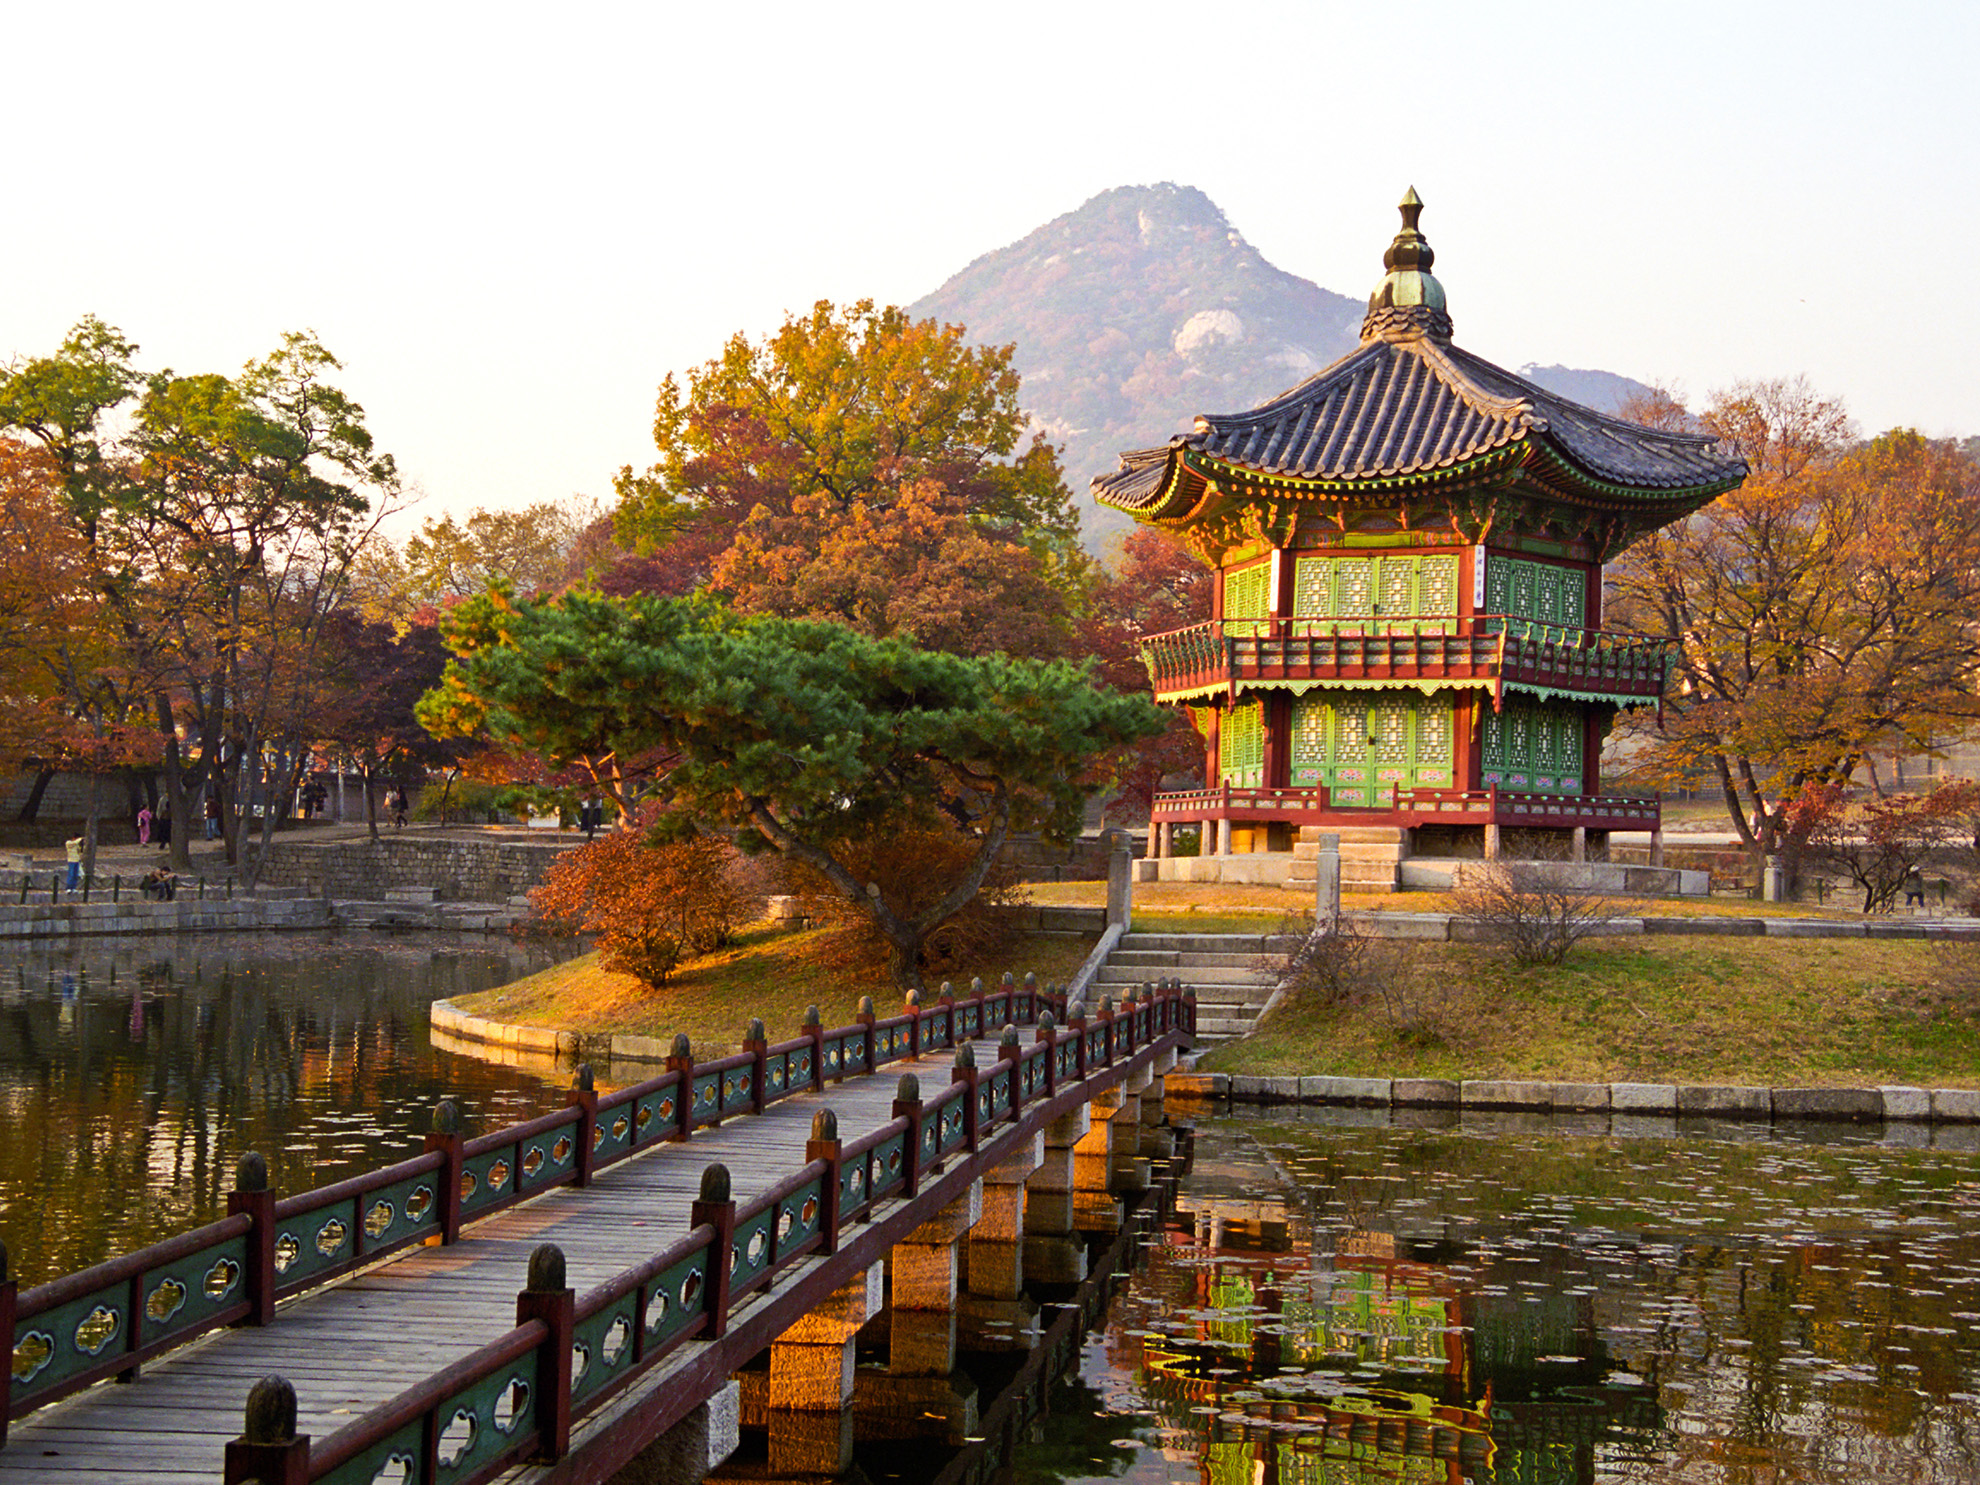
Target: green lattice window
{"x":1363,"y":745}
{"x":1248,"y":596}
{"x":1241,"y":745}
{"x":1376,"y":586}
{"x":1533,"y":746}
{"x":1536,"y":590}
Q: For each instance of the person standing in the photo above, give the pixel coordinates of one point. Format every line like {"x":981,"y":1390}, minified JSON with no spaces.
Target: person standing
{"x":75,"y":848}
{"x":144,"y":824}
{"x":212,"y":813}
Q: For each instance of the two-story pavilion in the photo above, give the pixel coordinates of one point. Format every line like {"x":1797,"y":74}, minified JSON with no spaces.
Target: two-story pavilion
{"x":1407,"y":628}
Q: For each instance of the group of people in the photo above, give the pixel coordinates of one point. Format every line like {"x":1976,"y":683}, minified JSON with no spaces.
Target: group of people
{"x":160,"y":882}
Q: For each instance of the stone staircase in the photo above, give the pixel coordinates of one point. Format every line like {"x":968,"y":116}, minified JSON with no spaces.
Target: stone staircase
{"x":1233,"y":974}
{"x":1371,"y":856}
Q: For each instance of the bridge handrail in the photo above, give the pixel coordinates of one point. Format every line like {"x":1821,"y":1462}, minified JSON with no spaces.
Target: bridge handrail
{"x":411,"y":1429}
{"x":176,"y":1289}
{"x":265,"y":1249}
{"x":706,"y":1270}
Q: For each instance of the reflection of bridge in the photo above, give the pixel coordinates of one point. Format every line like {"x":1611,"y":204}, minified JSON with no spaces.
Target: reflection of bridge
{"x":655,"y":1275}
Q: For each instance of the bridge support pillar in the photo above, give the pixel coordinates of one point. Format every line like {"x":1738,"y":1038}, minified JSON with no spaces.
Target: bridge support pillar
{"x":924,"y":1268}
{"x":996,"y":1244}
{"x":689,"y":1451}
{"x":806,"y":1399}
{"x":1052,"y":1255}
{"x":994,"y":1314}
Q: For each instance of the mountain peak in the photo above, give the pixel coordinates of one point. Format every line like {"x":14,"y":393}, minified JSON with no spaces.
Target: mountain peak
{"x":1135,"y":312}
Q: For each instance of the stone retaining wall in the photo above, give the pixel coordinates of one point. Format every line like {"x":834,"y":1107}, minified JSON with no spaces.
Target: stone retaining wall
{"x":42,"y":920}
{"x":1658,"y":1102}
{"x":1445,"y":926}
{"x":459,"y":868}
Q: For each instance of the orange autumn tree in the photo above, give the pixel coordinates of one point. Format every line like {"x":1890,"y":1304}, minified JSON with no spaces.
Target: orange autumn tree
{"x":906,"y":562}
{"x":651,"y":898}
{"x":1819,"y":615}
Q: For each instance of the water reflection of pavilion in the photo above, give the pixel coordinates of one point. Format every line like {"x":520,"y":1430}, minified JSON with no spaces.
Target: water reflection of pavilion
{"x":1332,"y":1359}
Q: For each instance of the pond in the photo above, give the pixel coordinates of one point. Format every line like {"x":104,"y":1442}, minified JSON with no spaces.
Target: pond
{"x":1350,"y":1305}
{"x":134,"y":1073}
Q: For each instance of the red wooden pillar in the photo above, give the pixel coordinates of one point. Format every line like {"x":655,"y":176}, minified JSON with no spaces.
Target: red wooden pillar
{"x":251,"y":1196}
{"x":583,"y":1096}
{"x":1592,"y":734}
{"x":550,"y":1299}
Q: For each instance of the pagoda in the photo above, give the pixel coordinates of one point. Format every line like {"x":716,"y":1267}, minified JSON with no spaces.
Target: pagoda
{"x":1406,"y":638}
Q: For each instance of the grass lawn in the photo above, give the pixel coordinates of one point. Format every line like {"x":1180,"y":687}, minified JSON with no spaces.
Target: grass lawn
{"x":1780,"y":1012}
{"x":1213,"y":907}
{"x":767,"y":973}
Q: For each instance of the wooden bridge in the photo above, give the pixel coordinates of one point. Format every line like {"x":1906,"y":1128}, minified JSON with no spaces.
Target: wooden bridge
{"x":571,"y":1297}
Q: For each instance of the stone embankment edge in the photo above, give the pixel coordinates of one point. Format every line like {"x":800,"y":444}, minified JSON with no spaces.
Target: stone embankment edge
{"x":1884,"y":1104}
{"x":450,"y":1018}
{"x":89,"y":919}
{"x":1447,"y":927}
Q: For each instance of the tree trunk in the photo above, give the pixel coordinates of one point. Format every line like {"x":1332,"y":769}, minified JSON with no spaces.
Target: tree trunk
{"x":31,"y":806}
{"x":370,"y":804}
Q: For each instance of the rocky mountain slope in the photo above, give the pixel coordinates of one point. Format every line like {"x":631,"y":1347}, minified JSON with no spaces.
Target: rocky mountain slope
{"x":1146,"y":307}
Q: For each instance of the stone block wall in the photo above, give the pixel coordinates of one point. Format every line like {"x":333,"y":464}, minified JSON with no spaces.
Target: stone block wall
{"x":1038,"y":860}
{"x":458,"y":868}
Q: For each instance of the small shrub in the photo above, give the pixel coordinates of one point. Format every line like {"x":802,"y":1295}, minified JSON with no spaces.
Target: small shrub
{"x":1340,"y":969}
{"x":1535,"y":910}
{"x":650,"y":904}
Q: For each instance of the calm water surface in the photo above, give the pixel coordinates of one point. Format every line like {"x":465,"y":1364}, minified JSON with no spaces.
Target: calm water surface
{"x":1354,"y":1305}
{"x":134,"y":1074}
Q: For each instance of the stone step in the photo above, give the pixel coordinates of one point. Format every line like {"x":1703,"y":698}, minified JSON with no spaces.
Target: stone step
{"x":1211,"y":943}
{"x":1170,"y":958}
{"x":1189,"y":974}
{"x":1248,"y":1006}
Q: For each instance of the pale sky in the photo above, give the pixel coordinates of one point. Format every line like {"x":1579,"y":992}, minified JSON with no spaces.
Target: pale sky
{"x":510,"y":221}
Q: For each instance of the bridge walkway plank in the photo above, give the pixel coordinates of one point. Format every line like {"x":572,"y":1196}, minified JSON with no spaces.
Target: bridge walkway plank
{"x":358,"y":1342}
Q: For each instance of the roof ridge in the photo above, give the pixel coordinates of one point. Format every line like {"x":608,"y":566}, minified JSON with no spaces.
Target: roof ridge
{"x":1327,"y":374}
{"x":1455,"y":376}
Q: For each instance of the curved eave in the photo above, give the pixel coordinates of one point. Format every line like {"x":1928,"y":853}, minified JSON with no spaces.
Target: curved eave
{"x":1564,"y":477}
{"x":1185,"y":491}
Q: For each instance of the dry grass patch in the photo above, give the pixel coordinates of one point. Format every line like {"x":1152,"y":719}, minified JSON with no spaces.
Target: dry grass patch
{"x":1804,"y":1012}
{"x":766,"y":974}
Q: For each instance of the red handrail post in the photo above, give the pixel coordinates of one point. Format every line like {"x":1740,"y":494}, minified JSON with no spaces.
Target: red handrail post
{"x":907,"y":1105}
{"x":866,"y":1018}
{"x":252,"y":1197}
{"x":756,"y":1042}
{"x":10,"y":1290}
{"x":550,"y":1299}
{"x":269,"y":1450}
{"x":1048,"y":1033}
{"x":815,"y":1029}
{"x":582,"y":1096}
{"x":1010,"y":1049}
{"x":715,"y":1208}
{"x":824,"y":1145}
{"x":681,"y":1060}
{"x":445,"y":1137}
{"x":969,"y":1076}
{"x":1076,"y":1024}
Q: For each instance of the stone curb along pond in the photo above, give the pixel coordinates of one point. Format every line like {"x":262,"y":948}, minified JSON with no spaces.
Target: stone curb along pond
{"x":1659,"y":1101}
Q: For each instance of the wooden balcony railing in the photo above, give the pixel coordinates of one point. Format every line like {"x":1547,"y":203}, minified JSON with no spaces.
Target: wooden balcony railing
{"x":1486,"y":647}
{"x":1411,"y":807}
